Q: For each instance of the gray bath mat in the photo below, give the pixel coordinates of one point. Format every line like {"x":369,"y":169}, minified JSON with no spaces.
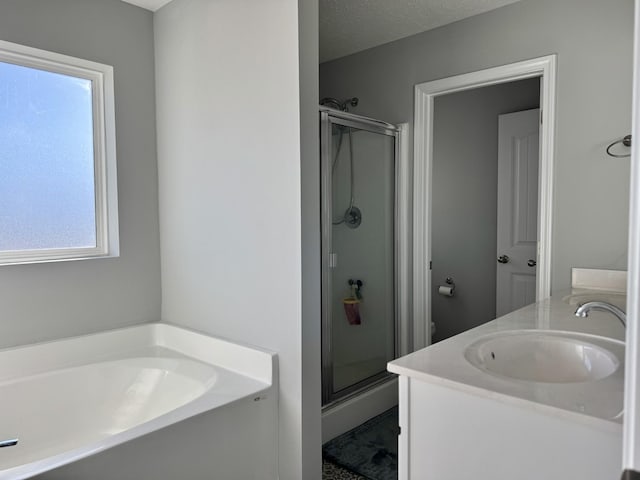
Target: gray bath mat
{"x":370,"y":450}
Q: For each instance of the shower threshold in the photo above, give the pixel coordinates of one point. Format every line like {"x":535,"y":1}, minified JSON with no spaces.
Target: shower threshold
{"x":360,"y":388}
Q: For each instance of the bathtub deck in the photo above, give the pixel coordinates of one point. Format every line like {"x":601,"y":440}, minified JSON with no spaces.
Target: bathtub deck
{"x":77,"y":397}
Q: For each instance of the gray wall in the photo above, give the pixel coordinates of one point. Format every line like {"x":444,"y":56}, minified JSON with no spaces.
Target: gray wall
{"x":53,"y":300}
{"x":464,"y":194}
{"x":593,"y":40}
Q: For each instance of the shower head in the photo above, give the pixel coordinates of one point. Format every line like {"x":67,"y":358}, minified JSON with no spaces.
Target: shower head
{"x":338,"y":105}
{"x":331,"y":102}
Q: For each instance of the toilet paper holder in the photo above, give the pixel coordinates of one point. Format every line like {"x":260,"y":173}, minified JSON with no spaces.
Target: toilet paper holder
{"x":449,"y":289}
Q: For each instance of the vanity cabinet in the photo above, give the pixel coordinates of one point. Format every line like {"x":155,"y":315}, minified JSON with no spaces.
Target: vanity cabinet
{"x":453,"y":434}
{"x":534,"y":395}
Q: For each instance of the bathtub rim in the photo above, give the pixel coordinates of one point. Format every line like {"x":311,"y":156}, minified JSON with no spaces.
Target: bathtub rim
{"x":256,"y":366}
{"x":261,"y":364}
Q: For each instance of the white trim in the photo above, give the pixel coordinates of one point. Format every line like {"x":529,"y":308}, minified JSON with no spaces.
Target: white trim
{"x":631,"y":423}
{"x":425,"y":93}
{"x":103,"y":106}
{"x":422,"y":219}
{"x":403,"y":201}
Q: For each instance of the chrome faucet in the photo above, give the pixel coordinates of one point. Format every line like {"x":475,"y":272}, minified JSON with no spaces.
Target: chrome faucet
{"x":584,"y":309}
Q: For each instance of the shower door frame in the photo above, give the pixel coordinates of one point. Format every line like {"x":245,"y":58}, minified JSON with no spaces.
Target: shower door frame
{"x":328,"y":117}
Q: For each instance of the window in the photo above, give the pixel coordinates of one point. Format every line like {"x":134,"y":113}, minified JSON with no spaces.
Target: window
{"x":58,"y":198}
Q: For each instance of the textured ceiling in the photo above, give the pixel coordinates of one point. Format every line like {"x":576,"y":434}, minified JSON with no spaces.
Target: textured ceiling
{"x":349,"y":26}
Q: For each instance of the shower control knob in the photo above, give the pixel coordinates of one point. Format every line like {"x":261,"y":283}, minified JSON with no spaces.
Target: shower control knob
{"x":503,"y":259}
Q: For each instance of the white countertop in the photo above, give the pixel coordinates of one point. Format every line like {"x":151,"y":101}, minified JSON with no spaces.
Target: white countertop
{"x":598,"y":403}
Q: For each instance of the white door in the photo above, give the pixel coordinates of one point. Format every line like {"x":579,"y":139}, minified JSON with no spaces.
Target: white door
{"x":517,"y":242}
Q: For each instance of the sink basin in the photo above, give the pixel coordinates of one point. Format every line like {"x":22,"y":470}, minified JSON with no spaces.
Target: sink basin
{"x":548,"y":357}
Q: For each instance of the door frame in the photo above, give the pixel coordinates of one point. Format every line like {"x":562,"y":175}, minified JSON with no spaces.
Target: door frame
{"x":425,"y":94}
{"x":631,"y":421}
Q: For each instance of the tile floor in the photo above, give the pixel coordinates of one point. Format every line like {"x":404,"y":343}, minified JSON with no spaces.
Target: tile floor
{"x":331,"y":471}
{"x":370,"y":450}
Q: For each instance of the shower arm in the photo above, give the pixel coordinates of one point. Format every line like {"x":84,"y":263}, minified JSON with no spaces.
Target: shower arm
{"x":338,"y":105}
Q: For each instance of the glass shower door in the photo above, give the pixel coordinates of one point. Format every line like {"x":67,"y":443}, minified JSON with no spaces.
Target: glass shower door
{"x":359,"y":238}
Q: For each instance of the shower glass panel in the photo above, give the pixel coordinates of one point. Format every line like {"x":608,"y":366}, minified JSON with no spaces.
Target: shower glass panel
{"x":359,"y":260}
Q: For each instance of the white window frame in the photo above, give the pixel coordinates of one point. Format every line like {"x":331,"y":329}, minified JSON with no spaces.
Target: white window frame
{"x":104,"y":145}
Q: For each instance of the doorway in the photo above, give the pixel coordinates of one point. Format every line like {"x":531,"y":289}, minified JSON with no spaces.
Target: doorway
{"x":427,"y":281}
{"x":477,"y":138}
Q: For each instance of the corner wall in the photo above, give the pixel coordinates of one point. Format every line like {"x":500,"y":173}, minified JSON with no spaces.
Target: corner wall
{"x":229,"y":151}
{"x":55,"y":300}
{"x":311,"y":270}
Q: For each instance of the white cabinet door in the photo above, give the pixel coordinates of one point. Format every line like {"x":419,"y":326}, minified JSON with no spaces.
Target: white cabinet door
{"x":517,"y":241}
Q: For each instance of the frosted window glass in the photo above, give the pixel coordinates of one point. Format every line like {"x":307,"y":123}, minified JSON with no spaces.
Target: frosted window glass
{"x":47,"y":190}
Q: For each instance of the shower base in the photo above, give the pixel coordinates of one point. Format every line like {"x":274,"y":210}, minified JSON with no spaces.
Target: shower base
{"x":345,"y":415}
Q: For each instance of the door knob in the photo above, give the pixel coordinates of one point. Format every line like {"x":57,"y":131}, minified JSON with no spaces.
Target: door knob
{"x":503,"y":259}
{"x":531,"y":263}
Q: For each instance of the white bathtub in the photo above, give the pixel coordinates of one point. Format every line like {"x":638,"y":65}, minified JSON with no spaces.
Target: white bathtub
{"x":188,"y":406}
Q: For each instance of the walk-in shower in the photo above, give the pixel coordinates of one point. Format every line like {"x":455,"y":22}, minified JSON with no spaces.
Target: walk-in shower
{"x":360,"y":332}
